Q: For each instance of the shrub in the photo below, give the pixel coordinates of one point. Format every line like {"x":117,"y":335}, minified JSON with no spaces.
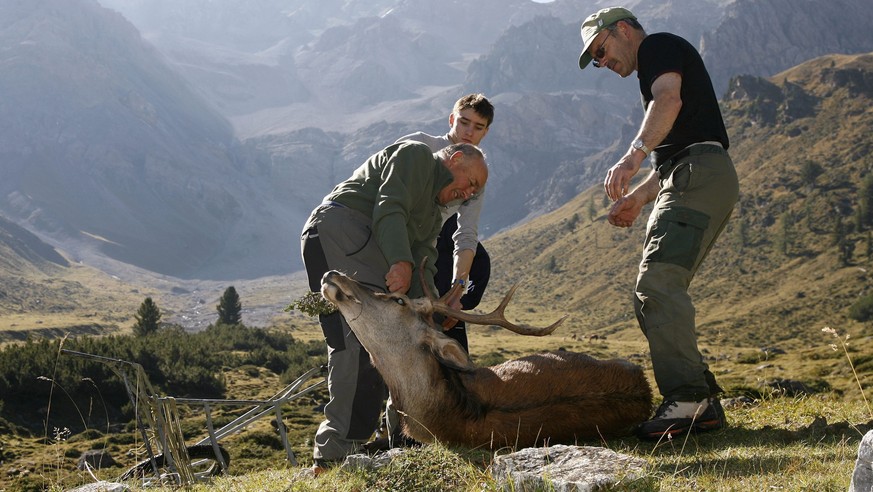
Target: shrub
{"x":177,"y":363}
{"x":862,"y":309}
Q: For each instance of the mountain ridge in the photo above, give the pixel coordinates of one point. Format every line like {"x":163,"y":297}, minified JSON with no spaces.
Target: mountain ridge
{"x":119,"y":162}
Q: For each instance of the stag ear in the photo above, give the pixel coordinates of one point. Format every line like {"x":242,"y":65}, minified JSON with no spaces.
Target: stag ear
{"x":450,"y":353}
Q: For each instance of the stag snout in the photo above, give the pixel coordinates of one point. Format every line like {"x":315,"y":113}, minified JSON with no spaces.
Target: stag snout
{"x":331,"y":287}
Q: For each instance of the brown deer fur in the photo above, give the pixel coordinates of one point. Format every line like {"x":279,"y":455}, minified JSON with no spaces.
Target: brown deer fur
{"x":554,"y":397}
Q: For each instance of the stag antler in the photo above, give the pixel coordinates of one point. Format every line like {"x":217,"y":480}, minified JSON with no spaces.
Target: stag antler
{"x":496,"y":317}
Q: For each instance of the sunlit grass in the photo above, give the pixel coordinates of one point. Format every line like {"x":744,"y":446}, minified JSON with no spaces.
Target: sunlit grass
{"x":773,"y":442}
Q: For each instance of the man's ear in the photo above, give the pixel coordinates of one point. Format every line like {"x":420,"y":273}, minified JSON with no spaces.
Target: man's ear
{"x":456,"y":159}
{"x":451,"y":119}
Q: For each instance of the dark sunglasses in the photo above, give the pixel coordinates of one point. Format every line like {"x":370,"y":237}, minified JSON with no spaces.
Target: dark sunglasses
{"x":600,"y":53}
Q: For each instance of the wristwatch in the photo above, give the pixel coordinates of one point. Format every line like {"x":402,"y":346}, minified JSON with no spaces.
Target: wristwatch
{"x":639,"y":145}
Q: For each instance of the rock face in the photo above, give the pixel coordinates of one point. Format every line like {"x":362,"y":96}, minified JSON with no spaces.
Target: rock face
{"x":762,"y":38}
{"x":782,"y":100}
{"x":102,"y":486}
{"x":22,"y":244}
{"x":773,"y":104}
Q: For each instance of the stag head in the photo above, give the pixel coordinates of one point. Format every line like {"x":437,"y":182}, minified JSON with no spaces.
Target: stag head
{"x":396,"y":320}
{"x":390,"y":320}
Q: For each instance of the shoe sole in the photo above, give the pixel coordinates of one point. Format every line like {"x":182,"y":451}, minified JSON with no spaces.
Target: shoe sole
{"x":702,"y":426}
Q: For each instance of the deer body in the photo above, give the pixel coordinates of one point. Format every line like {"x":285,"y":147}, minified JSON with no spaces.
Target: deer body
{"x":554,"y":397}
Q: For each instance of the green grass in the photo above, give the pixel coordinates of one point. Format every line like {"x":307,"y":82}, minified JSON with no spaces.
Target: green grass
{"x":774,"y":441}
{"x":772,"y":444}
{"x":777,"y":443}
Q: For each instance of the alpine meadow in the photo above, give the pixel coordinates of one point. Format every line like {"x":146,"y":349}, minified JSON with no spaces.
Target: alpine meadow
{"x":158,"y":160}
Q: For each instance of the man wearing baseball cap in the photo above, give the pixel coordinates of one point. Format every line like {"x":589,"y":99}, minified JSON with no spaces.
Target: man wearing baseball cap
{"x":694,"y":188}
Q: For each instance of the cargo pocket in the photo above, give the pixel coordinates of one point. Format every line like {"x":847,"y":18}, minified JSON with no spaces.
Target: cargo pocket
{"x":357,"y":233}
{"x":676,"y":236}
{"x":367,"y":234}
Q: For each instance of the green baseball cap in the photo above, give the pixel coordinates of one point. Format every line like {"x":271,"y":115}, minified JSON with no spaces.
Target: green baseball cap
{"x":597,"y":22}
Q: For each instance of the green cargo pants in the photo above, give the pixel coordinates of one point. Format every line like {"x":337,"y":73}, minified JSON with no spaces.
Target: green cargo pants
{"x":697,"y":196}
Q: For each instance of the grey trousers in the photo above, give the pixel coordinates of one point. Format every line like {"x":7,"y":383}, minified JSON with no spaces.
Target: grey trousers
{"x":338,"y":238}
{"x":692,"y":208}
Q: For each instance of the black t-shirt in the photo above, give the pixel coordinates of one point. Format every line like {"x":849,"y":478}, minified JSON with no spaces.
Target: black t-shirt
{"x":700,"y":118}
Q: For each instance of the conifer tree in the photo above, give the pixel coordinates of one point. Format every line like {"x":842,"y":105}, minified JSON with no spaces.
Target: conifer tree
{"x":785,"y":235}
{"x":809,"y":172}
{"x":847,"y":249}
{"x":865,"y":211}
{"x":230,"y":308}
{"x":741,"y":231}
{"x":869,"y":246}
{"x":148,"y":318}
{"x":838,"y":230}
{"x":592,"y":209}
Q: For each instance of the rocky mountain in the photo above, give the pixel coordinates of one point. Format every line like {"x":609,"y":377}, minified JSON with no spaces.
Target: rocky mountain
{"x":32,"y":281}
{"x":192,"y":138}
{"x":108,"y":151}
{"x":763,"y":38}
{"x":246,"y":58}
{"x":22,"y":250}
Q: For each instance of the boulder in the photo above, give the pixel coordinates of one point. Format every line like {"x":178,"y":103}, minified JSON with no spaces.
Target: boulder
{"x":566,"y":468}
{"x":96,"y":458}
{"x":862,"y":478}
{"x":102,"y":486}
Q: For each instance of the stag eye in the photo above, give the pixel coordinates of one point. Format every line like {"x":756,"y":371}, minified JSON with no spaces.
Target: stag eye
{"x":400,"y":301}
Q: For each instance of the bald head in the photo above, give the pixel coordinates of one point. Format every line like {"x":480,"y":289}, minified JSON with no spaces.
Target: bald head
{"x":469,"y":170}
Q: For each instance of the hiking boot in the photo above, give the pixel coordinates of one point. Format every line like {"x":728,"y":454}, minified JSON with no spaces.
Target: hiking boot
{"x":715,"y":404}
{"x":320,"y":466}
{"x":398,"y":440}
{"x":376,"y":445}
{"x":405,"y":441}
{"x":677,"y":417}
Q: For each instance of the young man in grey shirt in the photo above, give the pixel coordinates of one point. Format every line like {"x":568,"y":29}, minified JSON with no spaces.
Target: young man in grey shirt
{"x":469,"y":122}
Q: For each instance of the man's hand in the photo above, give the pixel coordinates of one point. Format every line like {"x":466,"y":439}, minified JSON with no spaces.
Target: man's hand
{"x":453,"y":302}
{"x":624,"y":211}
{"x":399,"y":277}
{"x":619,"y":176}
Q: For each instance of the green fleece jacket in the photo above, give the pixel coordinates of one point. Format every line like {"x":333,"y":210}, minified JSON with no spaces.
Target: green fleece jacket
{"x":397,"y":188}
